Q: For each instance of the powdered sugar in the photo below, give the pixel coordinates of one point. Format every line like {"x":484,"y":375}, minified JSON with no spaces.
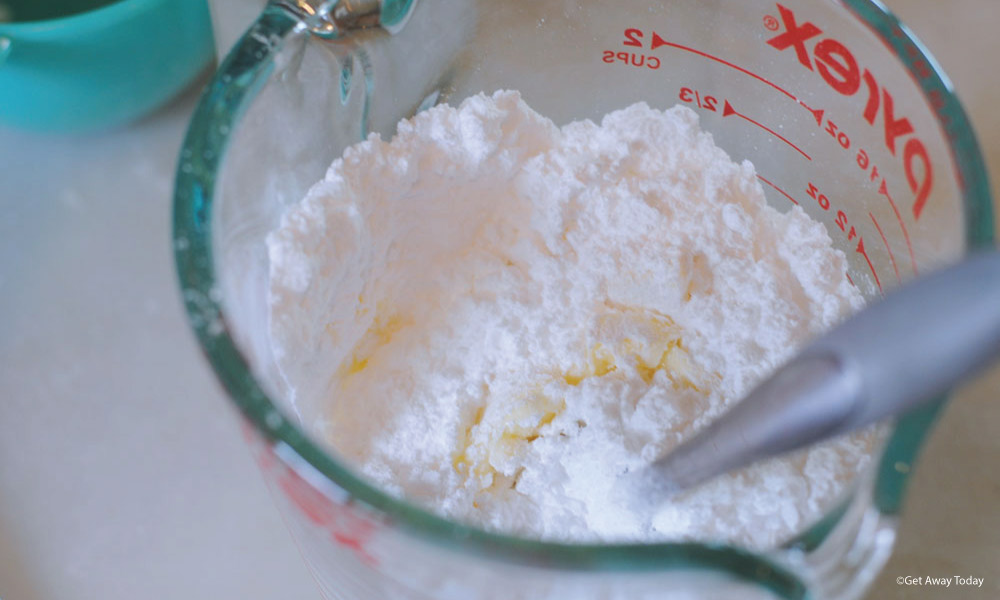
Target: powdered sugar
{"x":498,"y":317}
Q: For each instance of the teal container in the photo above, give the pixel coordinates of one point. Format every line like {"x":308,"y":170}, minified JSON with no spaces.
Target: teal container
{"x":83,"y":65}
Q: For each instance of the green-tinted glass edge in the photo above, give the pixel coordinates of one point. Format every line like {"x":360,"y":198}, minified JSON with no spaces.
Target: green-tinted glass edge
{"x":912,"y":429}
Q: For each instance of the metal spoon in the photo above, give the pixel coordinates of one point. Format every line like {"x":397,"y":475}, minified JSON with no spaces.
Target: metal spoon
{"x":893,"y":356}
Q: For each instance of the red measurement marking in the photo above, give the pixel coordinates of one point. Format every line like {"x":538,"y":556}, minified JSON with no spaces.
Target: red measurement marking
{"x":861,"y":250}
{"x":659,"y":41}
{"x":344,"y":527}
{"x":780,"y":191}
{"x":849,"y":279}
{"x":817,"y":113}
{"x":892,"y":258}
{"x":633,"y":37}
{"x":357,"y":540}
{"x":884,"y":190}
{"x":729,"y":110}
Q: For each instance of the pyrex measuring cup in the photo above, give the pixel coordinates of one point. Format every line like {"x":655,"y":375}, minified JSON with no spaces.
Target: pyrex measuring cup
{"x":838,"y":107}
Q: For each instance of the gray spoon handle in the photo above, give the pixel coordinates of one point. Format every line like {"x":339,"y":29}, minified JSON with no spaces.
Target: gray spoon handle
{"x":896,"y":354}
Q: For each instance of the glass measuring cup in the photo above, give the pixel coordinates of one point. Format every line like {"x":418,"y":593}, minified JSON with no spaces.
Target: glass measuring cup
{"x":838,"y":107}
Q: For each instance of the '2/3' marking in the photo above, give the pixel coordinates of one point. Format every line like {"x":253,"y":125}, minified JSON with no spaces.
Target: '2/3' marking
{"x":709,"y":103}
{"x":845,"y":77}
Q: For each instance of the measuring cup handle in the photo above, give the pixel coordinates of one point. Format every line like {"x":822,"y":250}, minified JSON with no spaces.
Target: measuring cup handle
{"x":334,"y":18}
{"x":393,"y":14}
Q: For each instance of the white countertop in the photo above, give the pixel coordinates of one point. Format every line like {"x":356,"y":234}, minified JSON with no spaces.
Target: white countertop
{"x":122,"y":471}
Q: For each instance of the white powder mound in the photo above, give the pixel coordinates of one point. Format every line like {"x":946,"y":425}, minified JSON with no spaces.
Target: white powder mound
{"x":499,"y":317}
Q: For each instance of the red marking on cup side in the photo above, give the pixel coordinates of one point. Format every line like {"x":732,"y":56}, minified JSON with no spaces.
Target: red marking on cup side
{"x":892,"y":258}
{"x":780,"y":191}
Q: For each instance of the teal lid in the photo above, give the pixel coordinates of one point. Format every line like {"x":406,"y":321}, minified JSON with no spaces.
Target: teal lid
{"x":81,"y":65}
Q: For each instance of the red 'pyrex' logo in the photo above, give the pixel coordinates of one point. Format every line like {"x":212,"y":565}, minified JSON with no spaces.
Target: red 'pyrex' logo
{"x":839,"y":68}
